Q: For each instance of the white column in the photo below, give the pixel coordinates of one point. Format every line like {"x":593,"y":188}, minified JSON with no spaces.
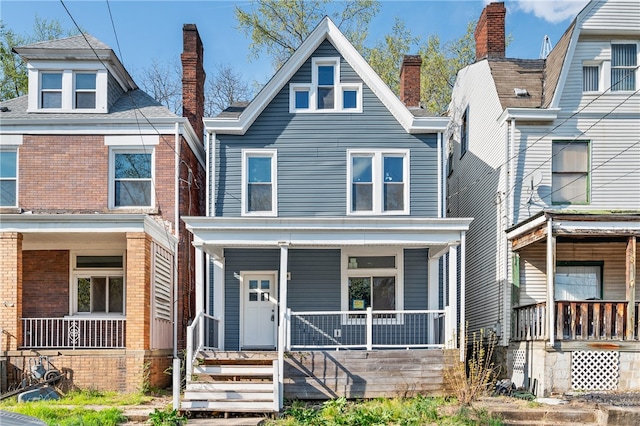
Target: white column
{"x":218,"y":296}
{"x":200,"y":278}
{"x":452,"y":300}
{"x":282,"y":307}
{"x":462,"y":295}
{"x":433,"y":294}
{"x":551,"y":272}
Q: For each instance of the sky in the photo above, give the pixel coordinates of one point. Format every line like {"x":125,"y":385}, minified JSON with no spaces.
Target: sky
{"x":148,"y":30}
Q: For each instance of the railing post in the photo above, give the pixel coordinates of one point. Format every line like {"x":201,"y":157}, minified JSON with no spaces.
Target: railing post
{"x":369,"y":329}
{"x":287,"y":320}
{"x":189,"y":358}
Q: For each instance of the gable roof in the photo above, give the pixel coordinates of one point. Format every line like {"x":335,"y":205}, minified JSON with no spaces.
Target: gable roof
{"x":82,"y":47}
{"x":234,"y":123}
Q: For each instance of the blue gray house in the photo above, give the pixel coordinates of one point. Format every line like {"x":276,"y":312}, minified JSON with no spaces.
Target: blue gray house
{"x":325,"y":248}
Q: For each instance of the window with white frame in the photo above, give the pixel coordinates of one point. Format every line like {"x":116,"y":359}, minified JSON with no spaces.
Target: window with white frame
{"x":85,"y":90}
{"x":590,"y":77}
{"x":464,"y":132}
{"x":131,"y":178}
{"x":372,"y":279}
{"x":259,"y":186}
{"x":98,"y":284}
{"x":51,"y":90}
{"x":378,"y":182}
{"x":624,"y":61}
{"x":326,"y":92}
{"x":570,"y":172}
{"x":8,"y":178}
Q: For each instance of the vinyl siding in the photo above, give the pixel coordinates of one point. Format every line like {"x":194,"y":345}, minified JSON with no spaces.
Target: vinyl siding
{"x":472,"y":190}
{"x":533,"y":268}
{"x":625,"y":14}
{"x":312,"y":153}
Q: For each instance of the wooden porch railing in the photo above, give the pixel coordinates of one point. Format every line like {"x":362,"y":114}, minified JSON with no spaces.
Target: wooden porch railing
{"x":74,"y":333}
{"x":575,"y":320}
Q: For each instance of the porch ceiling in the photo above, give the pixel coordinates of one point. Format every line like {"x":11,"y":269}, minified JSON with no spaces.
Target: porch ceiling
{"x":213,"y":233}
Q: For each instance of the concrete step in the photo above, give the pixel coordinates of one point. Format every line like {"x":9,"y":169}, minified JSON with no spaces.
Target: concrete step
{"x":555,"y":416}
{"x":230,"y":406}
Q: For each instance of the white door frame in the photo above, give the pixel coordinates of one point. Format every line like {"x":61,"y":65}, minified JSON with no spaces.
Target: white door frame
{"x":273,"y":296}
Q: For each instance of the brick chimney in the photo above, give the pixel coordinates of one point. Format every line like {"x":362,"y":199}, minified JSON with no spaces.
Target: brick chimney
{"x":193,"y":77}
{"x":489,"y":34}
{"x":410,"y":80}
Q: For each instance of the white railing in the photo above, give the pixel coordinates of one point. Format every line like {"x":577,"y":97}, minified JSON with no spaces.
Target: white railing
{"x":202,"y":334}
{"x":364,"y":329}
{"x":74,"y":333}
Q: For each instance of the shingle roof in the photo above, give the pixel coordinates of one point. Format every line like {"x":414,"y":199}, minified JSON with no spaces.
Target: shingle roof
{"x":554,"y":63}
{"x":511,"y":74}
{"x":133,"y":104}
{"x":74,"y":42}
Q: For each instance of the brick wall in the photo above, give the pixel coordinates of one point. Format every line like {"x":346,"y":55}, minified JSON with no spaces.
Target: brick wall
{"x":193,"y":78}
{"x":45,"y":287}
{"x":489,"y":34}
{"x":10,"y":289}
{"x":138,"y":295}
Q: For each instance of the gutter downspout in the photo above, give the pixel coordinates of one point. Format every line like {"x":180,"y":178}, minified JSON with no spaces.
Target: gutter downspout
{"x":509,"y":218}
{"x":550,"y":280}
{"x":176,"y":360}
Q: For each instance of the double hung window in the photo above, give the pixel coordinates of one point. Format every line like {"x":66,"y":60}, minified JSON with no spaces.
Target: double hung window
{"x":570,"y":172}
{"x":624,"y":61}
{"x":51,"y":90}
{"x":132,"y":182}
{"x":8,"y":178}
{"x":378,"y":182}
{"x":85,"y":90}
{"x":259,"y":182}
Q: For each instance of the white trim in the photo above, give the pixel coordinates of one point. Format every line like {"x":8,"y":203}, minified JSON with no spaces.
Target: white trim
{"x":273,"y":298}
{"x":528,"y":114}
{"x":272,"y":154}
{"x":16,"y":179}
{"x":327,"y":30}
{"x":377,"y":156}
{"x":75,"y":273}
{"x":132,"y":140}
{"x":140,"y":149}
{"x":10,"y":141}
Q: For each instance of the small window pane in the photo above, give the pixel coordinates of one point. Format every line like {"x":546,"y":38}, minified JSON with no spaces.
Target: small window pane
{"x":133,"y":193}
{"x":253,"y":297}
{"x":325,"y":75}
{"x":85,"y":100}
{"x":362,"y":169}
{"x":569,"y":188}
{"x":52,"y":81}
{"x":393,"y":169}
{"x":99,"y":262}
{"x":265,"y":284}
{"x":259,"y":197}
{"x":325,"y":98}
{"x":133,"y":166}
{"x":8,"y":193}
{"x":85,"y":81}
{"x":51,"y":100}
{"x":265,"y":296}
{"x":384,"y":293}
{"x":623,"y":79}
{"x":116,"y":294}
{"x":84,"y":295}
{"x":590,"y":78}
{"x":570,"y":157}
{"x":302,"y":99}
{"x":360,"y":262}
{"x":253,"y":284}
{"x":362,"y":194}
{"x":350,"y":99}
{"x":359,"y":293}
{"x":99,"y":294}
{"x":259,"y":169}
{"x":393,"y":196}
{"x":623,"y":55}
{"x":8,"y":164}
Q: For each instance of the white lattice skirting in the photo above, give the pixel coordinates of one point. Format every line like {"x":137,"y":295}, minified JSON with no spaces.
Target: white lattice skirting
{"x":518,"y":375}
{"x":595,"y":370}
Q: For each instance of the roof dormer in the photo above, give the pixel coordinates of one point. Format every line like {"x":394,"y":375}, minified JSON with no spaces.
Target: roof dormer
{"x":78,"y":74}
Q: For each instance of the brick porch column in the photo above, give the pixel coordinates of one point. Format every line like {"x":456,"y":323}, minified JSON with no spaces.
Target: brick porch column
{"x":138,"y":278}
{"x":10,"y":290}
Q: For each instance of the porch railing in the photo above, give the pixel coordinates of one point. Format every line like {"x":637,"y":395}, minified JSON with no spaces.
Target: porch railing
{"x":365,"y":329}
{"x":575,"y":320}
{"x":73,"y":333}
{"x":202,"y":334}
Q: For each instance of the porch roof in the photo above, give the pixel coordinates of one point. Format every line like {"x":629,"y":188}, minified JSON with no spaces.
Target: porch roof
{"x":78,"y":224}
{"x":213,"y":233}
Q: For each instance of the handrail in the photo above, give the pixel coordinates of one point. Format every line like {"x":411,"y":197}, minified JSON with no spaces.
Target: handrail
{"x":196,"y":343}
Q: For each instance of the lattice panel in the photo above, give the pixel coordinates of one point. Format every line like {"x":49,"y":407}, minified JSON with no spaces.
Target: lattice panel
{"x":518,"y":375}
{"x":595,"y":370}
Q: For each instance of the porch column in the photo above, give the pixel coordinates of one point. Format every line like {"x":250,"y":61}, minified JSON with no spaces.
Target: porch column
{"x":282,"y":307}
{"x":200,"y":286}
{"x":138,"y":290}
{"x":10,"y":291}
{"x":551,"y":277}
{"x":631,"y":286}
{"x":463,"y":320}
{"x":452,"y":301}
{"x":433,"y":295}
{"x":218,"y":296}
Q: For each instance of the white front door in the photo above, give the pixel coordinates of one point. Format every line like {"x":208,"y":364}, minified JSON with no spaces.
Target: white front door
{"x":259,"y":310}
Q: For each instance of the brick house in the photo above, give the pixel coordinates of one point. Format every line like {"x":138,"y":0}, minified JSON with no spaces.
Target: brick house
{"x":95,"y":174}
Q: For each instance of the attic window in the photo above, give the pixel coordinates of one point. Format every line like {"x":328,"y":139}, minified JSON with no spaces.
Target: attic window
{"x":521,"y":93}
{"x":326,"y":92}
{"x":82,"y":89}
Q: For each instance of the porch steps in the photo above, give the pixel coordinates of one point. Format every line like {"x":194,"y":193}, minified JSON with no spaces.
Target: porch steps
{"x":234,"y":382}
{"x":556,"y":416}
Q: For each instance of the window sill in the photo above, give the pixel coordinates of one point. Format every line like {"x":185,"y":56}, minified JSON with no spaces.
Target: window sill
{"x":137,"y":210}
{"x":10,"y":210}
